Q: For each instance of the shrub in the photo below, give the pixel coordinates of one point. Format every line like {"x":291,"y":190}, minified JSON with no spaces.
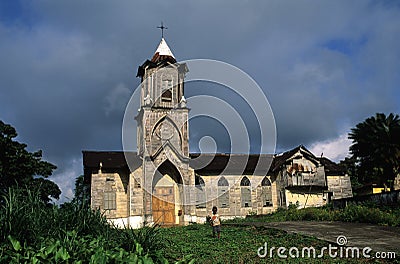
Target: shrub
{"x":352,"y":213}
{"x":364,"y":214}
{"x":22,"y":215}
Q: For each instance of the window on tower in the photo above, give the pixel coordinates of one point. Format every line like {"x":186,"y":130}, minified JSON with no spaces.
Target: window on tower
{"x":167,"y":95}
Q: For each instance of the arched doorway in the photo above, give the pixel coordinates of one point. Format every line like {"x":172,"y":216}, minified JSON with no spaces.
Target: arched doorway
{"x":167,"y":195}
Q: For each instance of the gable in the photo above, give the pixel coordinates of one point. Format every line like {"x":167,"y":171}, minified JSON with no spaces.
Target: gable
{"x":287,"y":157}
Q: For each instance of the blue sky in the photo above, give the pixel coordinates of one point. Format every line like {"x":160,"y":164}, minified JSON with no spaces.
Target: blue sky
{"x":68,"y":67}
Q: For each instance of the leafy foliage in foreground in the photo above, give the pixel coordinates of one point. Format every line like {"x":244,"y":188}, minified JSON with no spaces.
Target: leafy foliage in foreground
{"x":351,"y":213}
{"x":32,"y":231}
{"x":72,"y":249}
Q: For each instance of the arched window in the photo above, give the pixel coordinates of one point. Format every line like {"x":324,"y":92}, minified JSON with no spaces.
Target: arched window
{"x":223,"y":193}
{"x":266,"y":182}
{"x":200,"y":192}
{"x":245,"y":181}
{"x":198,"y":181}
{"x":266,"y":192}
{"x":223,"y":182}
{"x":245,"y":192}
{"x":166,"y":95}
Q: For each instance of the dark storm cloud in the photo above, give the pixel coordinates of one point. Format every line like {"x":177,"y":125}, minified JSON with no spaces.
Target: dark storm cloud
{"x":67,"y":68}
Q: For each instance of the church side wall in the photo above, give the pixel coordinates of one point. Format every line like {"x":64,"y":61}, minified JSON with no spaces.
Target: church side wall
{"x":235,"y":207}
{"x":115,"y":184}
{"x":136,"y":191}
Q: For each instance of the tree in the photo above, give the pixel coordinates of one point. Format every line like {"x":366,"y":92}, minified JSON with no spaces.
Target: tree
{"x":21,"y":168}
{"x":82,"y":191}
{"x":350,"y":164}
{"x":376,"y":148}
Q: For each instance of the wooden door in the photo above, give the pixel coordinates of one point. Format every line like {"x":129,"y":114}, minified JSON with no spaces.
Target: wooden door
{"x":164,"y":206}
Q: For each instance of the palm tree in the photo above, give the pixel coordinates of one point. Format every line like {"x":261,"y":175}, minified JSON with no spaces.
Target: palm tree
{"x":376,"y":148}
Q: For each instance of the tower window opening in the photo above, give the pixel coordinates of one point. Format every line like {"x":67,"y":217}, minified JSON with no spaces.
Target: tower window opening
{"x":167,"y":96}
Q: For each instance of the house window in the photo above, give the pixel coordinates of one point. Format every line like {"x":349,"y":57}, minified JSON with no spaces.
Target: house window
{"x":297,"y":179}
{"x":110,"y":201}
{"x":266,"y":193}
{"x":223,"y":193}
{"x":245,"y":192}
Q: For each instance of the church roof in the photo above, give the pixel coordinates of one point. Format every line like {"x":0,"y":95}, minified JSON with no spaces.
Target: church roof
{"x":110,"y":161}
{"x":162,"y":52}
{"x":203,"y":164}
{"x":207,"y":164}
{"x":162,"y":57}
{"x":230,"y":164}
{"x":163,"y":49}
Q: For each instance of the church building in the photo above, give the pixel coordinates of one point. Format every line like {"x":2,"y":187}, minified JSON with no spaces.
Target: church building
{"x":163,"y":183}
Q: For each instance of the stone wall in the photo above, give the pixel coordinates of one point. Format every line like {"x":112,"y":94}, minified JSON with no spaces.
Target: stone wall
{"x":137,"y":192}
{"x":305,"y":200}
{"x":340,"y":186}
{"x":381,"y":199}
{"x":113,"y":183}
{"x":235,"y":207}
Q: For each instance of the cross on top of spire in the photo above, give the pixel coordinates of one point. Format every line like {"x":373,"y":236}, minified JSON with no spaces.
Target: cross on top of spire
{"x":162,"y":29}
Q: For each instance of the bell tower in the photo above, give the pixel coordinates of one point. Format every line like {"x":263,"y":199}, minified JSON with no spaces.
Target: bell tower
{"x":162,"y":134}
{"x":163,"y":114}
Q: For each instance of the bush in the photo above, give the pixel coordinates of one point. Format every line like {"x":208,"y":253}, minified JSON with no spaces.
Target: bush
{"x":352,"y":213}
{"x":364,"y":214}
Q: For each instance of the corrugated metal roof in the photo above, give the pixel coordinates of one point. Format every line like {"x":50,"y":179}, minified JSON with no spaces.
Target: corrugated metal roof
{"x":110,"y":161}
{"x":234,"y":164}
{"x":204,"y":163}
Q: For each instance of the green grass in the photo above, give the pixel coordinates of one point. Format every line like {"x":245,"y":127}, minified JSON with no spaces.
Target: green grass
{"x":237,"y":245}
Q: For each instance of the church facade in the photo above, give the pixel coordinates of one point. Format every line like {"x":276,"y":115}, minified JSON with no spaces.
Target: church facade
{"x":163,"y":183}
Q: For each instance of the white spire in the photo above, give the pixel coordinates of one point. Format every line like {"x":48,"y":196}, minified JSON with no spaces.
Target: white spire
{"x":163,"y":49}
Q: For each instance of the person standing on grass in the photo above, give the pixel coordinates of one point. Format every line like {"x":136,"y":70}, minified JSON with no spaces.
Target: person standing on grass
{"x":215,"y":222}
